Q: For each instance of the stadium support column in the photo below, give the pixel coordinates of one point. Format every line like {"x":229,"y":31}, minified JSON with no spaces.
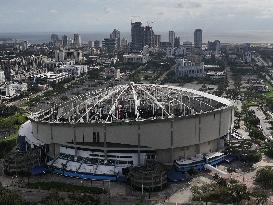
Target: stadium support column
{"x":199,"y":133}
{"x":105,"y":141}
{"x":219,"y":138}
{"x":37,"y":129}
{"x":172,"y":153}
{"x":74,"y":141}
{"x":51,"y":137}
{"x":231,"y":125}
{"x":138,"y":143}
{"x":87,"y":113}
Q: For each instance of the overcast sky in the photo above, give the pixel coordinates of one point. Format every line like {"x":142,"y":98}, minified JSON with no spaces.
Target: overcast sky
{"x":103,"y":15}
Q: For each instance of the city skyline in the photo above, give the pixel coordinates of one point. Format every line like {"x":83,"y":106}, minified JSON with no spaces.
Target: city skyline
{"x":92,"y":15}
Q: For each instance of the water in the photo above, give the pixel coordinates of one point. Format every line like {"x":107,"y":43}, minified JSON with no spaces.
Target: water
{"x":229,"y":37}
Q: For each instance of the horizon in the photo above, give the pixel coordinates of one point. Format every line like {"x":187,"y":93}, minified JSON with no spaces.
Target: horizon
{"x":225,"y":37}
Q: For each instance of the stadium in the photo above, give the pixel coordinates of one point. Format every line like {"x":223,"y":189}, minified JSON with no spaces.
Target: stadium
{"x":105,"y":131}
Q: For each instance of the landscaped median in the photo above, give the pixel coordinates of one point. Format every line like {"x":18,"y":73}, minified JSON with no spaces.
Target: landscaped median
{"x":64,"y":187}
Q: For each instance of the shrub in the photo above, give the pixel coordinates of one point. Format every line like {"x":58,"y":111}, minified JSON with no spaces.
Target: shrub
{"x":63,"y":187}
{"x":221,"y":191}
{"x":264,"y":176}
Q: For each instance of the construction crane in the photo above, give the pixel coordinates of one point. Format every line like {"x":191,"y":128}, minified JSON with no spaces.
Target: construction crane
{"x":149,"y":23}
{"x":135,"y":18}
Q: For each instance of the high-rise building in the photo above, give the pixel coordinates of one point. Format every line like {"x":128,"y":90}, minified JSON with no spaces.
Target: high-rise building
{"x":217,"y":44}
{"x":109,"y":45}
{"x":177,"y":42}
{"x":171,"y":37}
{"x":90,"y":43}
{"x":165,"y":45}
{"x":77,"y":40}
{"x":157,"y":40}
{"x":54,"y":38}
{"x":24,"y":45}
{"x":148,"y":36}
{"x":214,"y":46}
{"x":96,"y":44}
{"x":124,"y":44}
{"x":116,"y":35}
{"x":65,"y":40}
{"x":187,"y":45}
{"x":137,"y":35}
{"x":198,"y":38}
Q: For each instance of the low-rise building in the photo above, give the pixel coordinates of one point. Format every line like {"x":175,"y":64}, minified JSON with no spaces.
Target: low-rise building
{"x":67,"y":55}
{"x":135,"y":58}
{"x":186,"y":68}
{"x":10,"y":90}
{"x":216,"y":75}
{"x":112,"y":73}
{"x":73,"y":70}
{"x":50,"y":77}
{"x":2,"y":76}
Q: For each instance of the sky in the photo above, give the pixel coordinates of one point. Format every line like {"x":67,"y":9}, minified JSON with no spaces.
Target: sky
{"x":214,"y":16}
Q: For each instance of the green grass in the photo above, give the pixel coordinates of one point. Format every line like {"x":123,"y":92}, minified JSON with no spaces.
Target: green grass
{"x":269,"y":94}
{"x":251,"y":103}
{"x":7,"y":144}
{"x":64,"y":187}
{"x":12,"y":124}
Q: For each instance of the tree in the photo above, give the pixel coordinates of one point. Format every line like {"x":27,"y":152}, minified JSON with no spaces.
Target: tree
{"x":268,"y":149}
{"x":10,"y":197}
{"x":54,"y":199}
{"x":259,"y":195}
{"x":221,"y":191}
{"x":83,"y":199}
{"x":264,"y":176}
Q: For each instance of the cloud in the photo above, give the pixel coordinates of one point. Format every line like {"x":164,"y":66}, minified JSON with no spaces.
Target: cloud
{"x":185,"y":15}
{"x":20,"y":11}
{"x":188,"y":4}
{"x":107,"y":10}
{"x":160,"y":13}
{"x":53,"y":11}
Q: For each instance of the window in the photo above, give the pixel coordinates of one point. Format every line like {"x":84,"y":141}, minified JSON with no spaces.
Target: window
{"x":150,"y":156}
{"x":125,"y":156}
{"x":98,"y":137}
{"x":94,"y":137}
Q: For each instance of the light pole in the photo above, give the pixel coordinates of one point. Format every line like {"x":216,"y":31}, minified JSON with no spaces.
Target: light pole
{"x":109,"y":192}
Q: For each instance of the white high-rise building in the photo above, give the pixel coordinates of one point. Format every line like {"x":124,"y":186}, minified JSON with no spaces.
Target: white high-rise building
{"x":2,"y":76}
{"x":116,"y":35}
{"x":171,"y":37}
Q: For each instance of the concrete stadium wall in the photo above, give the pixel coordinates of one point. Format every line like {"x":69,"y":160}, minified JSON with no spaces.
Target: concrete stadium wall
{"x":184,"y":137}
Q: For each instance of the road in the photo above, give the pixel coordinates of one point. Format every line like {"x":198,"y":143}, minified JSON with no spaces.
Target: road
{"x":19,"y":102}
{"x":229,"y":77}
{"x":263,"y":121}
{"x":159,"y":80}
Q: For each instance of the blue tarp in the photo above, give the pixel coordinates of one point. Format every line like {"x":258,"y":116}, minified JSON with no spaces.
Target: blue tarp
{"x":175,"y":176}
{"x":85,"y":175}
{"x":230,"y":158}
{"x":39,"y":170}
